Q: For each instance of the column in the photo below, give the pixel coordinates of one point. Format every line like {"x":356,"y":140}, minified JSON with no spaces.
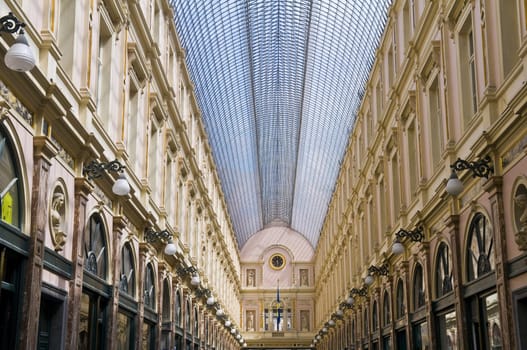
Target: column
{"x":452,"y":223}
{"x":119,"y":225}
{"x":494,"y":187}
{"x":44,"y":151}
{"x":82,"y":190}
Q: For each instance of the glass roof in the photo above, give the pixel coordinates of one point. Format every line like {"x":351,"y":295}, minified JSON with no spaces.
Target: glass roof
{"x":278,"y":84}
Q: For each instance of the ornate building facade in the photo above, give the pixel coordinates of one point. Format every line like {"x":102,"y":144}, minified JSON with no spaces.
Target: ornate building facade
{"x":448,"y":83}
{"x":400,"y":264}
{"x":81,"y":267}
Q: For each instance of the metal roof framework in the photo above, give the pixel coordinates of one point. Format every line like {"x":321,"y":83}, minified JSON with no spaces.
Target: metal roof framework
{"x":278,"y":84}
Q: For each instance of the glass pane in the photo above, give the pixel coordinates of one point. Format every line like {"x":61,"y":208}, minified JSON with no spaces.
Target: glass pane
{"x":95,"y":247}
{"x":127,"y":282}
{"x":420,"y":335}
{"x":84,"y":324}
{"x":178,"y":309}
{"x":443,"y":270}
{"x":400,"y":300}
{"x":419,"y":288}
{"x":11,"y":264}
{"x":386,"y":309}
{"x":386,"y":343}
{"x":480,"y":251}
{"x":374,"y":317}
{"x":275,"y":137}
{"x":448,"y":331}
{"x":149,"y":287}
{"x":9,"y":189}
{"x":124,"y":332}
{"x":493,"y":322}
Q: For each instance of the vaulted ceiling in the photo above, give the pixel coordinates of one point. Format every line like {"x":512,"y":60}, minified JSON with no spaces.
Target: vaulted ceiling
{"x":278,"y":83}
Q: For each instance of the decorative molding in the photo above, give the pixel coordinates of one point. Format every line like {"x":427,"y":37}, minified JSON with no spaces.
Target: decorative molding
{"x":15,"y":104}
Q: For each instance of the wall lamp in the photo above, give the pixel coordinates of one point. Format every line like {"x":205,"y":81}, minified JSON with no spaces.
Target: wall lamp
{"x":94,"y":170}
{"x":479,"y":168}
{"x":163,"y":236}
{"x":415,"y":235}
{"x":382,"y":270}
{"x":195,"y":281}
{"x":356,"y":291}
{"x":19,"y":57}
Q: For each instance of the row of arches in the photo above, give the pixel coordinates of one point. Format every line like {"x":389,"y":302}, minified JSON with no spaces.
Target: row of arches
{"x":417,"y":305}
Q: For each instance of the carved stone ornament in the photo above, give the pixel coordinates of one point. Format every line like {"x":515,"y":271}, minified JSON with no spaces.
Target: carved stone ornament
{"x":57,"y":214}
{"x":520,"y":216}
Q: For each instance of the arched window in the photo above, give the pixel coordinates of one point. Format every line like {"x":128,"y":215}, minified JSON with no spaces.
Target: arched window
{"x":443,"y":270}
{"x":400,"y":306}
{"x":178,"y":309}
{"x":127,"y":280}
{"x":95,"y":252}
{"x":196,"y":322}
{"x":149,"y":289}
{"x":386,"y":317}
{"x":419,"y":288}
{"x":166,"y":300}
{"x":366,"y":325}
{"x":480,"y":248}
{"x":187,"y":316}
{"x":10,"y":196}
{"x":374,"y":317}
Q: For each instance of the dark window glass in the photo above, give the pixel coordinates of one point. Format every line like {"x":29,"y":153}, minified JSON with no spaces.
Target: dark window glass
{"x":178,"y":309}
{"x":95,"y":253}
{"x":386,"y":309}
{"x":166,"y":301}
{"x":10,"y":275}
{"x":92,"y":322}
{"x":480,"y":254}
{"x":400,"y":300}
{"x":196,"y":323}
{"x":187,"y":316}
{"x":149,"y":293}
{"x":419,"y":287}
{"x":375,"y":317}
{"x":9,"y":184}
{"x":127,"y":281}
{"x":443,"y":270}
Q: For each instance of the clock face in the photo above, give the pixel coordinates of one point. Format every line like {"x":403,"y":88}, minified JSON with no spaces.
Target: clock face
{"x":277,"y":261}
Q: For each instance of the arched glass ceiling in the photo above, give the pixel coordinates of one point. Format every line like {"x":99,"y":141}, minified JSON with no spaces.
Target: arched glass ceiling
{"x":278,"y":84}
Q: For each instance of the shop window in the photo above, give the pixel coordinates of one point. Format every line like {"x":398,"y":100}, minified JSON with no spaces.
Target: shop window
{"x":92,"y":321}
{"x":10,"y":195}
{"x":127,"y":280}
{"x":447,"y":328}
{"x":443,"y":270}
{"x":125,"y":330}
{"x":51,"y":318}
{"x":10,"y":282}
{"x":148,"y":336}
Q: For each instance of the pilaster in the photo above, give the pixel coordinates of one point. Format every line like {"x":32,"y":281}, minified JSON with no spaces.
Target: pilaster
{"x":82,"y":189}
{"x":494,"y":187}
{"x":44,"y":151}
